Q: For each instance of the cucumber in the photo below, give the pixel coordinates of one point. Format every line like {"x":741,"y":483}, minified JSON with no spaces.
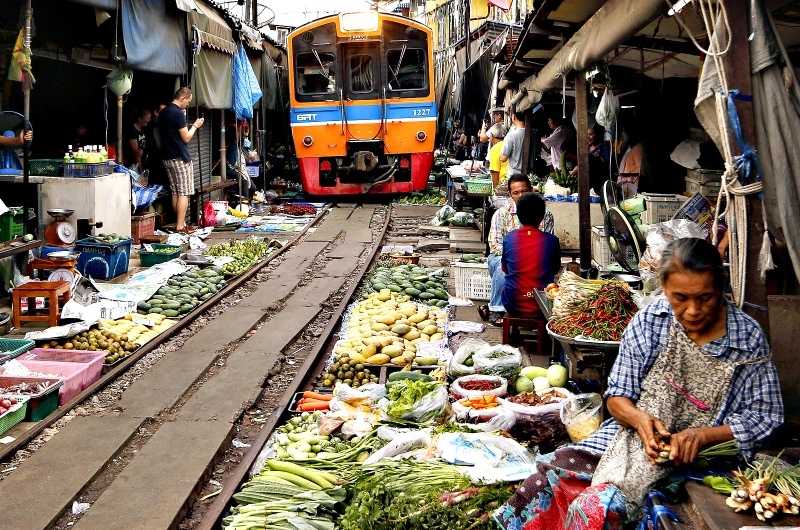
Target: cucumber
{"x":414,"y":376}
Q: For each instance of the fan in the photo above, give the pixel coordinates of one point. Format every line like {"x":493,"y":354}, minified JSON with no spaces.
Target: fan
{"x":624,"y":239}
{"x":612,"y":195}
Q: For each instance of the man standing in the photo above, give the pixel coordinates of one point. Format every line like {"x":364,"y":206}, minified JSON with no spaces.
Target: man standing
{"x":504,"y":221}
{"x":135,"y":145}
{"x":498,"y":169}
{"x":512,"y":145}
{"x":175,"y":136}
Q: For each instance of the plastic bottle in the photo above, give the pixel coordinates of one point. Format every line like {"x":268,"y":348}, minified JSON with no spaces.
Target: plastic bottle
{"x":103,"y":154}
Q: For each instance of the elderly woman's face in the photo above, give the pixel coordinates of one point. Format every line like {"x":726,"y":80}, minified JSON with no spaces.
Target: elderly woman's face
{"x":695,"y":299}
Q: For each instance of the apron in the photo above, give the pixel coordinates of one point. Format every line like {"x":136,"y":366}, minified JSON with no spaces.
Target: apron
{"x":686,"y":388}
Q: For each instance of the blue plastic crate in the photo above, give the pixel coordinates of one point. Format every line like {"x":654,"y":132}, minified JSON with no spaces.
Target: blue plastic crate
{"x":103,"y":261}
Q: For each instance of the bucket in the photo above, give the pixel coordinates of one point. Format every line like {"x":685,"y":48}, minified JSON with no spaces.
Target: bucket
{"x":582,"y":415}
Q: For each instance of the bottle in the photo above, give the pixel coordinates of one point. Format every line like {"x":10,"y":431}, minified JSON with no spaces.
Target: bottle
{"x":103,"y":154}
{"x":80,"y":156}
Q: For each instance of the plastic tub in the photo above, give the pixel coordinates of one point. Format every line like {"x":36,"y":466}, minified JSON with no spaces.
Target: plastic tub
{"x":582,"y":415}
{"x":103,"y":261}
{"x":15,"y":414}
{"x":92,"y":360}
{"x":76,"y":376}
{"x":42,"y":403}
{"x":148,"y":259}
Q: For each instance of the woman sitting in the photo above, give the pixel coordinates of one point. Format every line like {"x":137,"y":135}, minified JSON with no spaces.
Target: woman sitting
{"x":692,"y":371}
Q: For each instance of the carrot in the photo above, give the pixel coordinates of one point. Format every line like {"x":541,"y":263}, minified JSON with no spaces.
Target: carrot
{"x":310,"y":406}
{"x":309,"y":401}
{"x":317,"y":396}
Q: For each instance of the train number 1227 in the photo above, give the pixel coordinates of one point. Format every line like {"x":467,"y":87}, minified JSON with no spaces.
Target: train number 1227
{"x":422,"y":112}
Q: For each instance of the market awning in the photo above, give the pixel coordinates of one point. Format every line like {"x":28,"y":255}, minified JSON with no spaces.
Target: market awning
{"x":154,"y":37}
{"x":211,"y":80}
{"x":610,"y":25}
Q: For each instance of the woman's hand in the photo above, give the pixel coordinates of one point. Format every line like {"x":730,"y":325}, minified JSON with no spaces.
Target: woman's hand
{"x":685,"y":445}
{"x":650,"y":430}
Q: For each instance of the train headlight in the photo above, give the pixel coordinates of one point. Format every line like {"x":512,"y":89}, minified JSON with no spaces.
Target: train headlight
{"x":308,"y":141}
{"x":421,"y":136}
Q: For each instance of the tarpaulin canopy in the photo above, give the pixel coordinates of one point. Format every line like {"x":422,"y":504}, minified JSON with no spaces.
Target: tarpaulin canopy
{"x":615,"y":21}
{"x":100,"y":4}
{"x":476,"y":88}
{"x":153,"y":36}
{"x":246,"y":90}
{"x":214,"y":50}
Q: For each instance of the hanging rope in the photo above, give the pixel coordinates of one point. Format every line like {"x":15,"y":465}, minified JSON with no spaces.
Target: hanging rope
{"x":741,"y":174}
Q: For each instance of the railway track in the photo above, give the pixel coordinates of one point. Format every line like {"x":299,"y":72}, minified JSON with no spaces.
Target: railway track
{"x":183,"y":425}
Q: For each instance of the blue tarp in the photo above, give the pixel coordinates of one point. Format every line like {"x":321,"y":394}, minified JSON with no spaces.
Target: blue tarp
{"x":155,"y":38}
{"x":246,"y":90}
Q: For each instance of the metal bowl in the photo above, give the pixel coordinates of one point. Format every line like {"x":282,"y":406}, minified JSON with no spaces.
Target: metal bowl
{"x":61,"y":255}
{"x":5,"y":323}
{"x":60,"y":212}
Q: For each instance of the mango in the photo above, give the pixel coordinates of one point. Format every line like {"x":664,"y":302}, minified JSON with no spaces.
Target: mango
{"x":430,"y":330}
{"x":378,"y":358}
{"x":416,"y":318}
{"x":392,"y":350}
{"x":401,"y":329}
{"x":378,"y":326}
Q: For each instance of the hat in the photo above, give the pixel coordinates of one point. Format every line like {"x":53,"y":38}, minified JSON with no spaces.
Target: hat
{"x":499,"y":109}
{"x":498,"y":130}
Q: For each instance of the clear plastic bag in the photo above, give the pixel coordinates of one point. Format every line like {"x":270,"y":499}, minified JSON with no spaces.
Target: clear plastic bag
{"x":467,"y":349}
{"x":607,"y":110}
{"x":443,"y":216}
{"x":501,"y":360}
{"x":582,"y":415}
{"x":431,"y":407}
{"x":486,"y":457}
{"x":459,"y":392}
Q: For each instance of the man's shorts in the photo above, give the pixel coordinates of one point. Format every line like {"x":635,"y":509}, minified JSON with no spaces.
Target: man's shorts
{"x":181,"y":177}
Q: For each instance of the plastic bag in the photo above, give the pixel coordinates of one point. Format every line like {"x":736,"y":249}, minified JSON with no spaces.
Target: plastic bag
{"x":459,"y":392}
{"x":209,"y":214}
{"x":443,"y":216}
{"x":686,"y":154}
{"x":658,"y":237}
{"x":607,"y":110}
{"x":462,"y":219}
{"x":432,"y":406}
{"x":400,"y":445}
{"x":457,"y":368}
{"x":501,"y":360}
{"x":490,"y":457}
{"x":540,"y":425}
{"x":582,"y":415}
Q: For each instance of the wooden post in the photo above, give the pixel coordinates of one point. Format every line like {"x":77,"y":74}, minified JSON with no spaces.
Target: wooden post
{"x":584,"y":219}
{"x":223,"y":152}
{"x":527,"y":140}
{"x":466,"y":32}
{"x":737,"y":68}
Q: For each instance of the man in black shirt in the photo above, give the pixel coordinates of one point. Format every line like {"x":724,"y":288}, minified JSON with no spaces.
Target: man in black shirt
{"x":175,"y":136}
{"x":135,"y":140}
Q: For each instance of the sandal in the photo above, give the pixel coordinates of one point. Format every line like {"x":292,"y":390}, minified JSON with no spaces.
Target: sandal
{"x":484,"y":312}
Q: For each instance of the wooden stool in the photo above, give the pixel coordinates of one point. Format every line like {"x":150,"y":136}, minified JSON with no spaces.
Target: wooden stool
{"x":512,"y":326}
{"x":50,"y":290}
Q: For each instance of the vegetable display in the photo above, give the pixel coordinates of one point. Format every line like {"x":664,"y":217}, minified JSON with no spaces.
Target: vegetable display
{"x":768,"y":487}
{"x":293,"y":209}
{"x":386,"y":328}
{"x":6,"y":403}
{"x":418,"y":283}
{"x":346,"y":370}
{"x":603,"y":316}
{"x":183,"y":292}
{"x":425,"y":198}
{"x":245,"y":254}
{"x":405,"y":396}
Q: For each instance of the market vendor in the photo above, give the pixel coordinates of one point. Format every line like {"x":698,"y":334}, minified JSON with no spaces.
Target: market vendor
{"x":497,"y":168}
{"x":504,"y":221}
{"x":693,"y":371}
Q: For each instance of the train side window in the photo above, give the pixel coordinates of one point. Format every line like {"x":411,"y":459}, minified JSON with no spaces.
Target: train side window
{"x":316,"y":73}
{"x":362,"y":77}
{"x":407,"y":69}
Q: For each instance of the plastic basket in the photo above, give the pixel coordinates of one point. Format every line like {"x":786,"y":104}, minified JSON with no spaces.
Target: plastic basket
{"x":142,"y":226}
{"x":601,"y":254}
{"x":15,"y":415}
{"x":46,"y":167}
{"x":154,"y":258}
{"x":660,"y":208}
{"x":479,"y":186}
{"x":472,"y":280}
{"x":76,"y":376}
{"x":103,"y":261}
{"x":39,"y":405}
{"x":11,"y":225}
{"x":10,"y":348}
{"x":89,"y":169}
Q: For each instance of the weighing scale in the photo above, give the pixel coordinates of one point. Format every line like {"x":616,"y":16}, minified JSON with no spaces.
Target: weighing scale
{"x":60,"y":232}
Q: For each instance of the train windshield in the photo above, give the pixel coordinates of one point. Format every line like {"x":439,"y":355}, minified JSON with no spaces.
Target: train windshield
{"x":407,"y":69}
{"x":316,"y":73}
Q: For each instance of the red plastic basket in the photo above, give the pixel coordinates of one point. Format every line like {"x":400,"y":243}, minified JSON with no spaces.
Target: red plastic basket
{"x":142,"y":226}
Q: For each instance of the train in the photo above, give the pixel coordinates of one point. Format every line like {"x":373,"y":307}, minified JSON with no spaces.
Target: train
{"x":362,"y":104}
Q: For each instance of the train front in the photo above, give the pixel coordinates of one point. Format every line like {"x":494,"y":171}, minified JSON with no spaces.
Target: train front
{"x":363,"y":110}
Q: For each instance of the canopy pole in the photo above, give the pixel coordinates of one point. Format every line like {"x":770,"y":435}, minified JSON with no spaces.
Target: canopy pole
{"x":739,"y":54}
{"x":466,"y":31}
{"x":223,"y":148}
{"x":26,"y":43}
{"x":120,"y":104}
{"x":584,"y":213}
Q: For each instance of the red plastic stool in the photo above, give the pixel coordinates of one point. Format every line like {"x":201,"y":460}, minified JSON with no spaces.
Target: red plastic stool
{"x":513,"y":325}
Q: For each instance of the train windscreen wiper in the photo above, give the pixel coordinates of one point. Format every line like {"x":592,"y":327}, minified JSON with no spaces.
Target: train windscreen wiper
{"x":396,"y":71}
